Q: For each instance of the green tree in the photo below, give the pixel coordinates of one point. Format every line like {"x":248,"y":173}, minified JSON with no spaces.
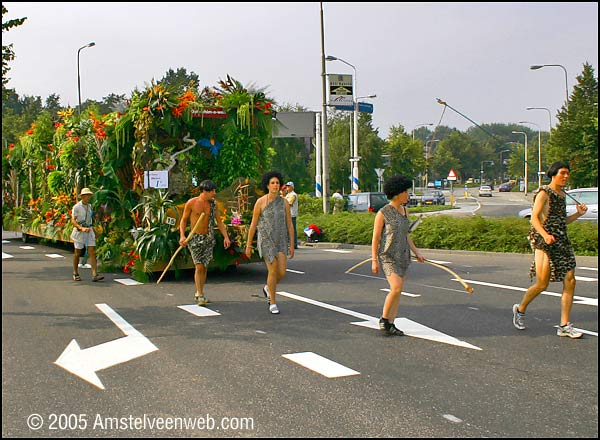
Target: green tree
{"x":180,"y":80}
{"x":406,"y":155}
{"x":575,"y":138}
{"x":7,"y":50}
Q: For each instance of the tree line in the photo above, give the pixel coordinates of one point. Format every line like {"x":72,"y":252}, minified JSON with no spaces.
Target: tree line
{"x":432,"y":152}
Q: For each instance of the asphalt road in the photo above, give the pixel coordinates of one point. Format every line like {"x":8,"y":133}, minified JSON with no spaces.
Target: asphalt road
{"x":464,"y":372}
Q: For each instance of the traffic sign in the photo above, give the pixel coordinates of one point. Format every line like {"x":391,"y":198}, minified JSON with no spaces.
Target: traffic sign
{"x":363,"y":107}
{"x":451,"y":175}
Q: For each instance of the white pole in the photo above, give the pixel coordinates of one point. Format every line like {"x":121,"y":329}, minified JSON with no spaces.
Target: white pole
{"x":355,"y":186}
{"x":318,"y":187}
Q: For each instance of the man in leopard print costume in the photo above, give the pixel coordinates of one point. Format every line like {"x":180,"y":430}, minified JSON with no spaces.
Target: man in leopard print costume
{"x":554,"y":259}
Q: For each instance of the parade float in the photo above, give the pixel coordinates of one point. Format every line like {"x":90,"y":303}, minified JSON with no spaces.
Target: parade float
{"x":143,"y":163}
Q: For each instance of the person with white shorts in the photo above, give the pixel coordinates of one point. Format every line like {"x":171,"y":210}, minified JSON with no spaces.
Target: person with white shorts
{"x":83,"y":234}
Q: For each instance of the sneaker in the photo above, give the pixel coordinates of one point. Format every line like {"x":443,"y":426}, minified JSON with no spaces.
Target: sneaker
{"x":273,"y":309}
{"x":389,"y":329}
{"x":266,"y":292}
{"x":568,"y":330}
{"x":201,"y":300}
{"x":518,"y":318}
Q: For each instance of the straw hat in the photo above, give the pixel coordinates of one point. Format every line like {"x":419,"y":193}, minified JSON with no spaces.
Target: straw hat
{"x":85,"y":191}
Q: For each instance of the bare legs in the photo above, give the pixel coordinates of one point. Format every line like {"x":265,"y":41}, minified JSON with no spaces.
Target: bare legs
{"x":276,"y":272}
{"x":392,"y":300}
{"x":542,"y":279}
{"x":200,"y":279}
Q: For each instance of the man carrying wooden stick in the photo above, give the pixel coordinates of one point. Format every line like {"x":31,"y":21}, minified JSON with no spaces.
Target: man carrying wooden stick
{"x":202,"y":242}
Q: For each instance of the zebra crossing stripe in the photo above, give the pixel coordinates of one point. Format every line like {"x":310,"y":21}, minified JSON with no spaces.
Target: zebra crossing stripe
{"x":321,"y":365}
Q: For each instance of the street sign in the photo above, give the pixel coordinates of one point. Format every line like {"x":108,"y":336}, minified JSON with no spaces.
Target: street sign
{"x":340,"y":90}
{"x":451,"y":175}
{"x":363,"y":107}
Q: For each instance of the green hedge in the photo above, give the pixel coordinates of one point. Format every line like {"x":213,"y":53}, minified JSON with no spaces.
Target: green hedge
{"x":475,"y":233}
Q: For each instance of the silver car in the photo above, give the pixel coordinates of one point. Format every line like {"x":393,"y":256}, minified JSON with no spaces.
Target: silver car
{"x":485,"y":191}
{"x":588,"y":196}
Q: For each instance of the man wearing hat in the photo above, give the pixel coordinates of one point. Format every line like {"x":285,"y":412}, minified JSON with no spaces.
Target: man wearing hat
{"x":83,"y":234}
{"x":292,"y":199}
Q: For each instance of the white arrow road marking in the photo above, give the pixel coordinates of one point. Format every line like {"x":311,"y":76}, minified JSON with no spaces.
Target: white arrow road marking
{"x":85,"y":363}
{"x":411,"y":328}
{"x":5,"y":256}
{"x":320,"y":364}
{"x":195,"y":309}
{"x":55,"y":256}
{"x":416,"y":330}
{"x":26,"y":247}
{"x":576,"y":299}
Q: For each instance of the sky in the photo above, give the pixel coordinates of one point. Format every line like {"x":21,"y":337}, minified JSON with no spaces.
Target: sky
{"x":474,"y":56}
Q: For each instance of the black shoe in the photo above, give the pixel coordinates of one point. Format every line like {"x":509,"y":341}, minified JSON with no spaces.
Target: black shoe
{"x":389,"y":329}
{"x":393,"y":331}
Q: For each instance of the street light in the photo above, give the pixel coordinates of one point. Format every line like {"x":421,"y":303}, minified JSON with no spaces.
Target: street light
{"x":491,"y":162}
{"x":525,"y":176}
{"x":539,"y":150}
{"x":549,"y":115}
{"x":78,"y":77}
{"x":427,"y":159}
{"x":355,"y":151}
{"x":417,"y":126}
{"x":539,"y":66}
{"x":502,"y":165}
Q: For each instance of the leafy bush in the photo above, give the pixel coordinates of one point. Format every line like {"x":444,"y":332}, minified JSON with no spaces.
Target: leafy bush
{"x":446,"y":232}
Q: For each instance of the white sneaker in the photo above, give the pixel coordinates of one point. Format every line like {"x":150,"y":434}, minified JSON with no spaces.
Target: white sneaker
{"x":569,"y":331}
{"x":273,"y":309}
{"x":518,"y":317}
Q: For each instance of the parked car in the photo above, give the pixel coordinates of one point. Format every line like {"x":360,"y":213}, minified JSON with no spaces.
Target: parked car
{"x":589,"y":196}
{"x":366,"y":201}
{"x":433,"y":197}
{"x":485,"y":191}
{"x":413,"y":199}
{"x":505,"y":187}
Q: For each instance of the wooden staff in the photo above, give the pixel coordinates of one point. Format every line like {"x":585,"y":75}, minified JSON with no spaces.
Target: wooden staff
{"x":467,"y":287}
{"x":188,"y":238}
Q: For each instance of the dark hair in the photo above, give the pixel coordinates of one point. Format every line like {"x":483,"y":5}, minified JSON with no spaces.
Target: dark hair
{"x":207,"y":185}
{"x":267,"y":177}
{"x":553,"y":170}
{"x":395,"y":185}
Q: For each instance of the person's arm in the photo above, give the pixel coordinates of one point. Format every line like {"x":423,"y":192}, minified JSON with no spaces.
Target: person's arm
{"x":581,"y":210}
{"x":290,"y":227}
{"x":415,"y":250}
{"x":377,"y":230}
{"x":76,"y":223}
{"x":252,"y":230}
{"x":187,"y":210}
{"x":223,"y":229}
{"x":538,"y":214}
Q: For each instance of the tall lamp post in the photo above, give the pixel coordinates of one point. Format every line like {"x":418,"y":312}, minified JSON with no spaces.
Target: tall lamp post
{"x":539,"y":66}
{"x":549,"y":116}
{"x":502,"y":165}
{"x":78,"y":76}
{"x":526,"y":170}
{"x":324,"y":134}
{"x":491,"y":162}
{"x":420,"y":125}
{"x":427,"y":159}
{"x":354,"y":158}
{"x":540,"y":173}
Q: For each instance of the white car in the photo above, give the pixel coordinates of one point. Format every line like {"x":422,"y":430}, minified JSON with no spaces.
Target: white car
{"x":588,"y":196}
{"x":485,"y":191}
